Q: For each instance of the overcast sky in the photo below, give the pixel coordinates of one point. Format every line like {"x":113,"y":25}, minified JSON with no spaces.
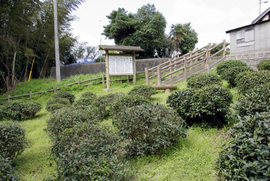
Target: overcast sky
{"x":209,"y":18}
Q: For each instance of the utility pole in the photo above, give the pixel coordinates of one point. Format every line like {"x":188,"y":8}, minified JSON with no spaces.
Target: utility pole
{"x":56,"y":42}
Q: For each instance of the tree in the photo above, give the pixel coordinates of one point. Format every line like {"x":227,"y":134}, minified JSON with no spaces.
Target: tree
{"x":183,"y":37}
{"x":145,"y":29}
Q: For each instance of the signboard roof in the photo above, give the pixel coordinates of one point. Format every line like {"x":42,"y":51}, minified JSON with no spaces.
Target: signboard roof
{"x":120,"y":48}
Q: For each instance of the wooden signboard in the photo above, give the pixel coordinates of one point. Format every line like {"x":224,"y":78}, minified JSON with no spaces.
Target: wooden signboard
{"x":120,"y":65}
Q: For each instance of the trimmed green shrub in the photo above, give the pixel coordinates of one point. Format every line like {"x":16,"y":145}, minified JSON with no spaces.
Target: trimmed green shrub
{"x":231,"y":73}
{"x":200,"y":80}
{"x":227,"y":64}
{"x":57,"y":103}
{"x":149,"y":128}
{"x":18,"y":110}
{"x":127,"y":102}
{"x":143,"y":90}
{"x":88,"y":152}
{"x":248,"y":80}
{"x":12,"y":139}
{"x":255,"y":100}
{"x":247,"y":155}
{"x":64,"y":94}
{"x":6,"y":170}
{"x":264,"y":65}
{"x":86,"y":99}
{"x":2,"y":112}
{"x":108,"y":102}
{"x":208,"y":105}
{"x":89,"y":95}
{"x":68,"y":117}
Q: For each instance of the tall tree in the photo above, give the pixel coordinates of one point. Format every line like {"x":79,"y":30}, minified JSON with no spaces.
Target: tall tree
{"x":145,"y":29}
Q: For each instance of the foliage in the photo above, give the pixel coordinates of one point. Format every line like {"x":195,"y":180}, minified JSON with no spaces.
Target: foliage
{"x":2,"y":112}
{"x":68,"y":117}
{"x":18,"y":110}
{"x":127,"y":102}
{"x":248,"y":80}
{"x":87,"y":152}
{"x":255,"y":100}
{"x":247,"y":156}
{"x":12,"y":139}
{"x":208,"y":105}
{"x":64,"y":94}
{"x":264,"y":65}
{"x":143,"y":90}
{"x":6,"y":169}
{"x":227,"y":64}
{"x":89,"y":95}
{"x":231,"y":73}
{"x":145,"y":29}
{"x":57,"y":103}
{"x":149,"y":128}
{"x":200,"y":80}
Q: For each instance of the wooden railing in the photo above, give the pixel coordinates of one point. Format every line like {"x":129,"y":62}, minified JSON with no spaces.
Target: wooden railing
{"x":180,"y":65}
{"x":101,"y":79}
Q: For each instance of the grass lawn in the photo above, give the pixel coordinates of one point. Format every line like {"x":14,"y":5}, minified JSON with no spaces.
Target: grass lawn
{"x":192,"y":158}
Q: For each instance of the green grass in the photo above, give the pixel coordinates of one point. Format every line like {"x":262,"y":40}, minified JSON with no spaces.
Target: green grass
{"x":192,"y":158}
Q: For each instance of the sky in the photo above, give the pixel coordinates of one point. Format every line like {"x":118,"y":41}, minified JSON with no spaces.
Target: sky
{"x":209,"y":18}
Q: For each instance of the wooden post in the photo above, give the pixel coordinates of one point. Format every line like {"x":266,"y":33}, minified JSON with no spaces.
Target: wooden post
{"x":159,"y":74}
{"x":30,"y":94}
{"x":208,"y":54}
{"x":107,"y":70}
{"x":54,"y":89}
{"x":146,"y":75}
{"x":170,"y":67}
{"x":185,"y":66}
{"x":224,"y":49}
{"x":79,"y":82}
{"x":9,"y":97}
{"x":134,"y":67}
{"x":128,"y":79}
{"x":103,"y":79}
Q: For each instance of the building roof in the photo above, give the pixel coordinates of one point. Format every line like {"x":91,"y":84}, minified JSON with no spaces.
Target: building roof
{"x":120,"y":48}
{"x":258,"y":20}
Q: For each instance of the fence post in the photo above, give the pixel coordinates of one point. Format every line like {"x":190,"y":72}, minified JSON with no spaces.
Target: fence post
{"x":30,"y":94}
{"x":79,"y":82}
{"x":54,"y":89}
{"x":224,"y":49}
{"x":128,"y":79}
{"x":185,"y":66}
{"x":159,"y":74}
{"x":103,"y":81}
{"x":146,"y":75}
{"x":208,"y":54}
{"x":9,"y":97}
{"x":170,"y":67}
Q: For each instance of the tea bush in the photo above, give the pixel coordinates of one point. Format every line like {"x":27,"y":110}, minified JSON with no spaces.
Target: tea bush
{"x":12,"y":139}
{"x":227,"y":64}
{"x":149,"y":128}
{"x":68,"y":117}
{"x":64,"y":94}
{"x":255,"y":100}
{"x":231,"y":73}
{"x":264,"y":65}
{"x":127,"y":102}
{"x":143,"y":90}
{"x":6,"y":170}
{"x":57,"y":103}
{"x":248,"y":80}
{"x":88,"y":152}
{"x":2,"y":112}
{"x":208,"y":105}
{"x":18,"y":110}
{"x":200,"y":80}
{"x":247,"y":155}
{"x":89,"y":95}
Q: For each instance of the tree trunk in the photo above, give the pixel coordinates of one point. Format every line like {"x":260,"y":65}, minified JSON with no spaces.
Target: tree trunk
{"x":13,"y":69}
{"x":44,"y":68}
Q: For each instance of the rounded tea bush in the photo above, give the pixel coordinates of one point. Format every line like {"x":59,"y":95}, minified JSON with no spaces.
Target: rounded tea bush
{"x":247,"y":155}
{"x":89,"y":95}
{"x":6,"y":170}
{"x":149,"y":128}
{"x":57,"y":103}
{"x":12,"y":139}
{"x":64,"y":94}
{"x":127,"y":102}
{"x":264,"y":65}
{"x":88,"y":152}
{"x":248,"y":80}
{"x":68,"y":117}
{"x":200,"y":80}
{"x":231,"y":73}
{"x":143,"y":90}
{"x":256,"y":100}
{"x":227,"y":64}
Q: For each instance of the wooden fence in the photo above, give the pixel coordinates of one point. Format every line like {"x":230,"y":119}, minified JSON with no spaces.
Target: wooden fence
{"x":101,"y":79}
{"x":180,"y":65}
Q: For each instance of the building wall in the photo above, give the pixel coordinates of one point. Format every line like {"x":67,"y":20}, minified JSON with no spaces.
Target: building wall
{"x":258,"y":50}
{"x":94,"y":68}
